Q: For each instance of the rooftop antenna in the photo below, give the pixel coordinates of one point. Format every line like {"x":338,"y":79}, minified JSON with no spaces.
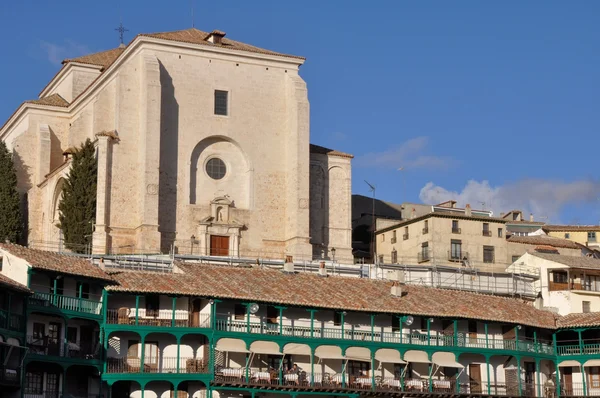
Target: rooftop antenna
{"x":372,"y":189}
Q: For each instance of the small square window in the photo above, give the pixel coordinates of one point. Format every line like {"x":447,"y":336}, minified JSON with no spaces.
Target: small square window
{"x":500,"y":233}
{"x":567,"y":235}
{"x":221,"y":102}
{"x":586,"y":307}
{"x":488,"y":254}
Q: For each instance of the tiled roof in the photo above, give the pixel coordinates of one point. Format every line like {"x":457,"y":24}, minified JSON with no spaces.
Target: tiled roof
{"x":334,"y":292}
{"x":7,"y":283}
{"x":544,"y":240}
{"x":579,"y":320}
{"x":456,"y":216}
{"x":571,"y":228}
{"x":326,"y":151}
{"x":56,"y":262}
{"x":51,"y":100}
{"x":195,"y":36}
{"x":570,"y":261}
{"x":102,"y":58}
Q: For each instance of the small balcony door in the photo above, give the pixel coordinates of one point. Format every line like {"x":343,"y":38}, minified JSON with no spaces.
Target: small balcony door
{"x":219,"y":245}
{"x":54,"y":331}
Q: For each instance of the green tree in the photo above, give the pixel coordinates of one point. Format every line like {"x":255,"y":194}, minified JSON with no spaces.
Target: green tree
{"x":77,"y":208}
{"x":11,"y":221}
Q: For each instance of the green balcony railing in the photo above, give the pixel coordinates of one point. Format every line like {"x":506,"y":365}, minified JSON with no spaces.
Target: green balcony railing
{"x":66,"y":303}
{"x":576,"y":349}
{"x":415,"y":337}
{"x":14,"y":322}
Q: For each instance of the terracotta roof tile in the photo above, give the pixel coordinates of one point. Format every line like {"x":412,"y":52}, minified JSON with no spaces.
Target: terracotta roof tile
{"x":570,"y":261}
{"x":441,"y":214}
{"x":544,"y":240}
{"x":102,"y":58}
{"x":195,"y":36}
{"x":579,"y":320}
{"x":571,"y":228}
{"x":51,"y":100}
{"x":56,"y":262}
{"x":7,"y":283}
{"x":326,"y":151}
{"x":311,"y":290}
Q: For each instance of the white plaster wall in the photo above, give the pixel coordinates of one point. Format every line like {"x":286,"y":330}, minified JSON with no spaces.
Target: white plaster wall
{"x":14,"y":268}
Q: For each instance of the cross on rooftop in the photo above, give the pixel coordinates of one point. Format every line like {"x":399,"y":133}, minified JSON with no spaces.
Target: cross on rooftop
{"x":121,"y":29}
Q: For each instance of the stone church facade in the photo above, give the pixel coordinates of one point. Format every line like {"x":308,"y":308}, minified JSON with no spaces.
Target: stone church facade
{"x":202,"y":145}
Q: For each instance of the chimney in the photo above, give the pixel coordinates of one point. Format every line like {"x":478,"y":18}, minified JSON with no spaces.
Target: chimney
{"x":216,"y":37}
{"x":468,"y":210}
{"x":413,"y":213}
{"x":288,"y":265}
{"x":101,"y":264}
{"x":322,"y":269}
{"x":397,"y":277}
{"x":531,"y":217}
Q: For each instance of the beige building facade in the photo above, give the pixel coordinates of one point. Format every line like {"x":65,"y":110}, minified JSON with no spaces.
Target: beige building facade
{"x":202,"y":145}
{"x":587,"y":235}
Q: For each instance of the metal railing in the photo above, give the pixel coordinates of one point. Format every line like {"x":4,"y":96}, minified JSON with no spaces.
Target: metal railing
{"x":576,"y":349}
{"x":457,"y":256}
{"x":486,"y":232}
{"x":456,"y":230}
{"x":405,"y":237}
{"x":55,"y":347}
{"x":15,"y":322}
{"x":67,"y":303}
{"x":156,"y":365}
{"x":423,"y":256}
{"x":161,"y":318}
{"x":350,"y":332}
{"x":425,"y":231}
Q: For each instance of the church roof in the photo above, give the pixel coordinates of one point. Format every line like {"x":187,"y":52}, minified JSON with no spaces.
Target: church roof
{"x":326,"y":151}
{"x":51,"y":100}
{"x":102,"y":58}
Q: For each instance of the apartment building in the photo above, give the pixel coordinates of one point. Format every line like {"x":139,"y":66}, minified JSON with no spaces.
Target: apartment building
{"x":219,"y":331}
{"x":517,"y":225}
{"x":582,"y":234}
{"x":450,"y":237}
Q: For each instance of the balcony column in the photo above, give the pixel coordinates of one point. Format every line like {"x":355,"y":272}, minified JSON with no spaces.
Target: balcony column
{"x":64,"y":338}
{"x":142,"y":387}
{"x":428,"y":331}
{"x":179,"y":352}
{"x":585,"y":391}
{"x":213,"y":314}
{"x":248,"y":318}
{"x":535,"y":344}
{"x":557,"y":373}
{"x":342,"y":315}
{"x":517,"y":338}
{"x":372,"y":327}
{"x":174,"y":308}
{"x":312,"y":323}
{"x":487,"y":368}
{"x":281,"y":318}
{"x":79,"y":294}
{"x":143,"y":341}
{"x":430,"y":368}
{"x":312,"y":367}
{"x":538,"y":378}
{"x":487,"y":335}
{"x":54,"y":291}
{"x":137,"y":309}
{"x":373,"y":371}
{"x":455,"y":325}
{"x":519,"y":375}
{"x":580,"y":341}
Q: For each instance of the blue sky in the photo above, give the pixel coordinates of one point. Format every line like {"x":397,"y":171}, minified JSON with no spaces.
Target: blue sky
{"x":487,"y":102}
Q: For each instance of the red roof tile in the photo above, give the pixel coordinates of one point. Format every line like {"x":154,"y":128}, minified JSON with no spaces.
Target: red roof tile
{"x":56,"y":262}
{"x":544,"y":240}
{"x":51,"y":100}
{"x":7,"y":283}
{"x":579,"y":320}
{"x":326,"y":151}
{"x":102,"y":58}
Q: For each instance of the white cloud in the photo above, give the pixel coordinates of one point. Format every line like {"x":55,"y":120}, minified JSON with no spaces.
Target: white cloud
{"x":543,"y":198}
{"x":409,"y":155}
{"x":56,"y":53}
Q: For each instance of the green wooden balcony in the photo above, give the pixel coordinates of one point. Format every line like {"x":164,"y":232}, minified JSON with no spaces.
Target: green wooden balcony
{"x":13,"y":322}
{"x":576,"y":349}
{"x":350,"y":332}
{"x":65,"y":303}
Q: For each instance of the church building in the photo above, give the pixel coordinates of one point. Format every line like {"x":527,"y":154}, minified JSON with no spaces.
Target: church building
{"x":202,"y":146}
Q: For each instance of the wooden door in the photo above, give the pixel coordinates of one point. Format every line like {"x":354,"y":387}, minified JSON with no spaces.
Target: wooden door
{"x":567,"y":381}
{"x":475,"y":378}
{"x":195,"y":313}
{"x":219,"y":245}
{"x":54,"y":331}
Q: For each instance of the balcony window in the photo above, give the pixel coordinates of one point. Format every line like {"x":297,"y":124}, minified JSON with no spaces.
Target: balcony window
{"x":424,"y":254}
{"x":34,"y":383}
{"x":239,"y":312}
{"x":500,"y":233}
{"x":594,"y":376}
{"x":60,"y":283}
{"x":393,"y":237}
{"x":560,"y":277}
{"x":591,"y":236}
{"x":425,"y":227}
{"x":359,"y":368}
{"x":405,"y":237}
{"x":486,"y":229}
{"x":488,"y":254}
{"x":394,"y":257}
{"x":455,"y":228}
{"x":85,"y":290}
{"x":39,"y":330}
{"x":455,"y":249}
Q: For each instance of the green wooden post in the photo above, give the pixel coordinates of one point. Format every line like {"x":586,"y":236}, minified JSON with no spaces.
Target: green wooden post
{"x":247,"y":318}
{"x":342,"y":323}
{"x":105,"y":337}
{"x":585,"y":391}
{"x":401,"y":327}
{"x":79,"y":294}
{"x":312,"y":367}
{"x":557,"y":376}
{"x":178,"y":352}
{"x":554,"y":345}
{"x":281,"y":320}
{"x":487,"y":367}
{"x":519,"y":375}
{"x":54,"y":292}
{"x":429,"y":331}
{"x":455,"y":325}
{"x":372,"y":327}
{"x":312,"y":323}
{"x":538,"y":379}
{"x":372,"y":371}
{"x":517,"y":339}
{"x":535,"y":343}
{"x":580,"y":341}
{"x":143,"y":388}
{"x":174,"y":306}
{"x":487,"y":336}
{"x":137,"y":309}
{"x":143,"y":353}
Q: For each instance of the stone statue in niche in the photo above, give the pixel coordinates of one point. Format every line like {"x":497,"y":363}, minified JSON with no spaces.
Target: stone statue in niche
{"x":219,"y":214}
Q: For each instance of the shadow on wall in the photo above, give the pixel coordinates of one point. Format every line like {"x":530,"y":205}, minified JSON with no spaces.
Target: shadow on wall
{"x":319,"y":208}
{"x":167,"y":179}
{"x":23,"y":186}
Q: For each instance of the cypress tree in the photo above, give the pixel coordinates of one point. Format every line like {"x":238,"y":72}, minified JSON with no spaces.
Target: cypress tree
{"x":11,"y":221}
{"x":77,"y":208}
